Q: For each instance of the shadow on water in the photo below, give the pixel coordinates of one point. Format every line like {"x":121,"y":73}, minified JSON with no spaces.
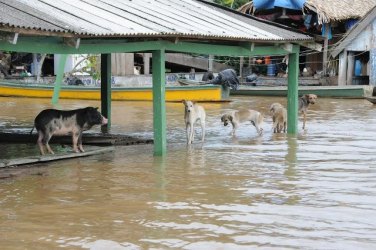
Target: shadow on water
{"x":291,"y":156}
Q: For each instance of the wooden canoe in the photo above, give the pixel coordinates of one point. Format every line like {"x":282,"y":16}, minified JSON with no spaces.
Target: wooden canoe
{"x":173,"y":93}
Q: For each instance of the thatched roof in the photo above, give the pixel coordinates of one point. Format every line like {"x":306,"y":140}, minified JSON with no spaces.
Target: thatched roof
{"x":354,"y":32}
{"x":329,"y":10}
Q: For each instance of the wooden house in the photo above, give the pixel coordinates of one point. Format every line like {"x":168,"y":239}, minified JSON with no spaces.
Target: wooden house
{"x":357,"y":53}
{"x":328,"y":20}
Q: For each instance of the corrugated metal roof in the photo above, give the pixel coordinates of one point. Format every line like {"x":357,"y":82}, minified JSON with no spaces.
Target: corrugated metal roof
{"x":139,"y":18}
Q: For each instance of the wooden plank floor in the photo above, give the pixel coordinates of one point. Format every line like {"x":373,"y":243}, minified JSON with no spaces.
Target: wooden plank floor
{"x":22,"y":135}
{"x":90,"y":150}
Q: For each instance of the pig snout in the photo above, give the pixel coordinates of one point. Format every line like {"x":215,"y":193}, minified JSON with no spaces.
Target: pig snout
{"x":104,"y":120}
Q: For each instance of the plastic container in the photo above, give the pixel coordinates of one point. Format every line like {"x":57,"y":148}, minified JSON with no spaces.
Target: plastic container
{"x":267,"y":60}
{"x":358,"y":68}
{"x":270,"y":71}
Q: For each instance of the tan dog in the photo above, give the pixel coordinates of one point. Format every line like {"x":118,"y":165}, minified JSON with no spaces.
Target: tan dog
{"x":237,"y":117}
{"x":279,"y":115}
{"x":193,"y":113}
{"x":304,"y":102}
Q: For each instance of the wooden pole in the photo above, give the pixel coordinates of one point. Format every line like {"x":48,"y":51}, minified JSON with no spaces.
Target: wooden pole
{"x":210,"y":63}
{"x":146,"y":58}
{"x":372,"y":61}
{"x":59,"y":78}
{"x":241,"y":65}
{"x":325,"y":53}
{"x":342,"y":72}
{"x":106,"y":90}
{"x":350,"y":67}
{"x":292,"y":94}
{"x":159,"y":105}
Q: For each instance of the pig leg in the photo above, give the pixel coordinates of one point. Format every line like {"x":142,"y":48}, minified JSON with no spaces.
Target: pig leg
{"x":46,"y":140}
{"x":80,"y":143}
{"x":40,"y":142}
{"x":75,"y":136}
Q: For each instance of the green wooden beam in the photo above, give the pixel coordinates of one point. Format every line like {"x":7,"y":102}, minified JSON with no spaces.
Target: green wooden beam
{"x":225,"y":50}
{"x":53,"y":45}
{"x":59,"y":78}
{"x":292,"y":94}
{"x":159,"y":105}
{"x":106,"y":90}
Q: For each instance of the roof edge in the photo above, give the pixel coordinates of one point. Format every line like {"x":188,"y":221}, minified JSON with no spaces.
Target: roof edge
{"x":254,"y":18}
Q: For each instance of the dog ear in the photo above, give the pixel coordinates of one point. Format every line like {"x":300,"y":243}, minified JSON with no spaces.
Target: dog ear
{"x":184,"y":102}
{"x":222,"y":118}
{"x":306,"y":96}
{"x":230,"y":117}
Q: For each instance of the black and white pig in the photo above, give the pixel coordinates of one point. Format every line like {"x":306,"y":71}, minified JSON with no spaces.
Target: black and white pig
{"x":51,"y":122}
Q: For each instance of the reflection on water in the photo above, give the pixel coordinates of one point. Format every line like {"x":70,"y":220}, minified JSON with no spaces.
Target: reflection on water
{"x":313,"y":191}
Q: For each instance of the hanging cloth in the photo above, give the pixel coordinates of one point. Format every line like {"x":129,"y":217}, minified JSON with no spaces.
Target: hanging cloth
{"x":270,"y":4}
{"x":323,"y":30}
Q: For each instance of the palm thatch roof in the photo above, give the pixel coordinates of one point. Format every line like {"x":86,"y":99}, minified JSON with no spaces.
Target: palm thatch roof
{"x":354,"y":32}
{"x":329,"y":10}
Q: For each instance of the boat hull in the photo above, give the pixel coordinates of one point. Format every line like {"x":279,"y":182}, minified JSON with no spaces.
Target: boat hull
{"x":352,"y":91}
{"x":371,"y":99}
{"x":196,"y":93}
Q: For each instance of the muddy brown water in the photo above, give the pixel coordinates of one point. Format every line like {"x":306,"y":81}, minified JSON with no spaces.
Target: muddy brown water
{"x":313,"y":191}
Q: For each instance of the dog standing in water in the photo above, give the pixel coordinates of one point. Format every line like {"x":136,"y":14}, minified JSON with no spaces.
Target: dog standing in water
{"x":239,"y":116}
{"x":279,"y":115}
{"x":304,"y":102}
{"x":193,"y":113}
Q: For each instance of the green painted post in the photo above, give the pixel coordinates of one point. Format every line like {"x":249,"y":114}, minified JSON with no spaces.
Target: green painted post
{"x":292,"y":94}
{"x":106,"y":90}
{"x":159,"y":105}
{"x":59,"y":78}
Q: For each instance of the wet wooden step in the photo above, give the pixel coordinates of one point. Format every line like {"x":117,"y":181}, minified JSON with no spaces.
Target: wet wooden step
{"x":22,"y":135}
{"x":90,"y":150}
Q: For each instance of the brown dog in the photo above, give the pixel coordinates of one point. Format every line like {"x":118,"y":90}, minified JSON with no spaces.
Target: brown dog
{"x":279,"y":115}
{"x":236,"y":117}
{"x":304,"y":102}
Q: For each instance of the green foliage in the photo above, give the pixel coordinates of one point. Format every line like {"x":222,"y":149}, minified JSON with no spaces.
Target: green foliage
{"x":231,"y":3}
{"x":92,"y":66}
{"x":229,"y":60}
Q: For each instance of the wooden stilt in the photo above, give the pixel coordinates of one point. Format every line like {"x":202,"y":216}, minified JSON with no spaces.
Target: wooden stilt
{"x":159,"y":105}
{"x":106,"y":90}
{"x":59,"y":78}
{"x":292,"y":94}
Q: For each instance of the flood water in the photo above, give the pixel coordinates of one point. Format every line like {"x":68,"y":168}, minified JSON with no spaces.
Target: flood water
{"x":313,"y":191}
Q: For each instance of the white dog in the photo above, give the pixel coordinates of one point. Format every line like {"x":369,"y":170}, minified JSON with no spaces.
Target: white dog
{"x":193,"y":113}
{"x":237,"y":117}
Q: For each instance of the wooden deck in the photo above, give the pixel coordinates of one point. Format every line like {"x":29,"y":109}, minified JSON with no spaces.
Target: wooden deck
{"x":90,"y":150}
{"x":22,"y":135}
